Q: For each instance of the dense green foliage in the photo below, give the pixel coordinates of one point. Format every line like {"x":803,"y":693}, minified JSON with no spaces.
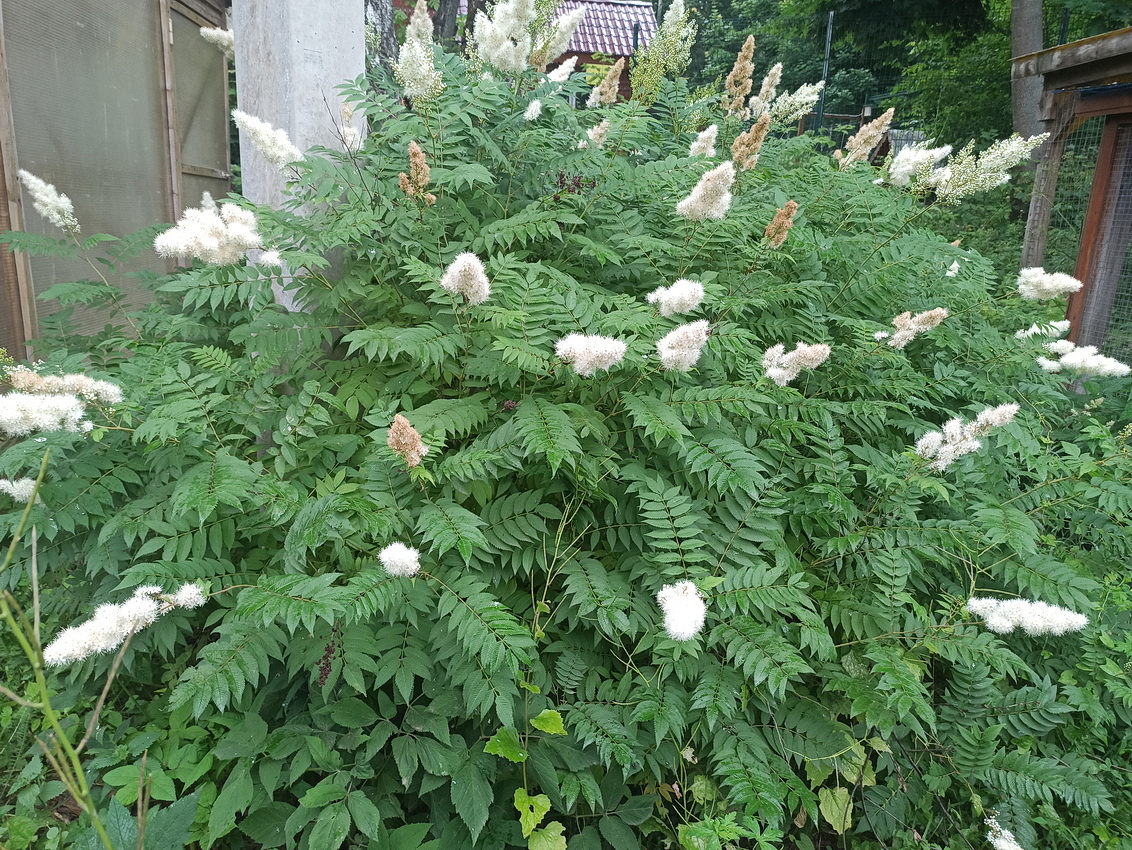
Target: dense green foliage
{"x":521,"y":691}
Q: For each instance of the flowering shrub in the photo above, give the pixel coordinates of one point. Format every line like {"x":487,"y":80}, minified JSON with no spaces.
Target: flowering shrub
{"x":595,"y":498}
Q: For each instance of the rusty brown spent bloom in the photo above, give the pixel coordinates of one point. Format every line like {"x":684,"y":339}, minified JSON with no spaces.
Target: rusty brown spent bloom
{"x":745,"y":148}
{"x":865,"y":141}
{"x":780,"y":225}
{"x":740,"y":81}
{"x":606,"y":91}
{"x":405,"y":441}
{"x":416,"y":181}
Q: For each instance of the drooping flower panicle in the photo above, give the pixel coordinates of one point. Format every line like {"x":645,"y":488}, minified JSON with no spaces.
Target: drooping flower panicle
{"x":50,"y":203}
{"x":782,"y":367}
{"x":222,"y":39}
{"x":999,"y":838}
{"x":555,"y":38}
{"x":684,"y":610}
{"x":967,"y":173}
{"x":865,"y":141}
{"x":711,"y":196}
{"x":28,"y":380}
{"x":912,"y":160}
{"x":958,"y":438}
{"x":605,"y":92}
{"x":466,"y":276}
{"x":683,"y":296}
{"x":19,"y":489}
{"x":789,"y":107}
{"x":590,"y":353}
{"x":533,"y":110}
{"x":274,"y":144}
{"x":680,"y":349}
{"x":1036,"y":284}
{"x":1083,"y":361}
{"x":1003,"y":616}
{"x":214,"y":237}
{"x":27,"y":413}
{"x":562,"y":73}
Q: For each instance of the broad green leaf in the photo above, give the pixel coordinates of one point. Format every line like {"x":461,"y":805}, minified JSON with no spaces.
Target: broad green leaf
{"x":329,"y":790}
{"x":168,"y":828}
{"x":550,"y":837}
{"x":549,"y":721}
{"x":366,"y":816}
{"x":531,"y":810}
{"x":331,"y":828}
{"x":472,"y":796}
{"x":836,"y":806}
{"x":505,"y":743}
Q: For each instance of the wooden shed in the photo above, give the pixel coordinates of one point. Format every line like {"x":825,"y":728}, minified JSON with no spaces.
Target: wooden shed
{"x":1080,"y":217}
{"x":123,"y":107}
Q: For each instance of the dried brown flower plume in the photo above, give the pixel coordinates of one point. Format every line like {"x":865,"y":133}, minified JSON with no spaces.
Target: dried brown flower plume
{"x":745,"y":148}
{"x":405,"y":441}
{"x":416,"y":181}
{"x":780,"y":225}
{"x":739,"y":82}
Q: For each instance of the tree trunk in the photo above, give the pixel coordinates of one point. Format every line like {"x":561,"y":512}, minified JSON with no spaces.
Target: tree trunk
{"x":1026,"y":37}
{"x":446,"y":23}
{"x":474,"y":6}
{"x":381,"y":46}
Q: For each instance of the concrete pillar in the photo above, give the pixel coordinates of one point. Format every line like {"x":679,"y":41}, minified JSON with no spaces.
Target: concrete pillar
{"x":290,"y":54}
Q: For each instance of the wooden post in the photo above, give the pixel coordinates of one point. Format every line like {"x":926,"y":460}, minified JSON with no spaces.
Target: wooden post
{"x":1058,"y":120}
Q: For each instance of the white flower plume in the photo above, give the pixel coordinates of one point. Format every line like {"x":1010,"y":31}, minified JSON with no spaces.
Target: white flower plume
{"x":684,"y":610}
{"x":909,"y":326}
{"x":562,"y":73}
{"x":504,"y":38}
{"x":1003,"y":616}
{"x":682,"y":297}
{"x":400,"y":560}
{"x":275,"y":145}
{"x":711,"y":196}
{"x":782,"y":367}
{"x":590,"y":353}
{"x":1084,"y":361}
{"x":680,"y":350}
{"x":222,"y":39}
{"x":414,"y":68}
{"x":958,"y":438}
{"x":1036,"y":284}
{"x":214,"y":237}
{"x":704,"y":145}
{"x":20,"y":489}
{"x":50,"y":203}
{"x":788,"y":108}
{"x":911,"y":160}
{"x":466,"y":276}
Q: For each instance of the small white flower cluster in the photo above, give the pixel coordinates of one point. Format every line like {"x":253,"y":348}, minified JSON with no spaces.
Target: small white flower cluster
{"x":953,"y":269}
{"x":909,"y":326}
{"x":26,"y":413}
{"x":1048,"y":329}
{"x":860,"y":147}
{"x":554,"y":39}
{"x":1085,"y":361}
{"x":761,"y":102}
{"x":967,"y":173}
{"x":680,"y":349}
{"x":220,"y":38}
{"x":219,"y":237}
{"x":597,"y":135}
{"x":20,"y":489}
{"x":788,"y":108}
{"x":1036,"y":284}
{"x":351,"y":138}
{"x":534,"y":110}
{"x":684,"y":610}
{"x":112,"y":624}
{"x":782,"y":368}
{"x":275,"y":145}
{"x":50,"y":203}
{"x":999,"y":838}
{"x":465,"y":276}
{"x":590,"y":353}
{"x":682,"y":297}
{"x":562,"y":73}
{"x":1002,"y":616}
{"x":400,"y":560}
{"x":704,"y":145}
{"x":711,"y":197}
{"x":414,"y":68}
{"x":27,"y":380}
{"x":912,"y":160}
{"x":958,"y":438}
{"x":270,"y":258}
{"x":504,"y":38}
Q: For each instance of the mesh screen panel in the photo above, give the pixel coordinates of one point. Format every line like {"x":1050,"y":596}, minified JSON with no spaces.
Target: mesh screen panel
{"x":1071,"y":199}
{"x":200,"y":86}
{"x":85,"y":79}
{"x":1107,"y":318}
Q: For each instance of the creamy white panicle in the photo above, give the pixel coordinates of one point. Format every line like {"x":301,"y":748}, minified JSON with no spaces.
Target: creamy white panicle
{"x":913,"y":159}
{"x":222,"y":39}
{"x":400,"y":560}
{"x":275,"y":145}
{"x":953,"y":269}
{"x":534,"y":110}
{"x":860,"y":147}
{"x":270,"y":258}
{"x":351,"y":138}
{"x":958,"y":438}
{"x":1084,"y":361}
{"x":20,"y":489}
{"x":26,"y":413}
{"x":562,"y":73}
{"x":684,"y":610}
{"x":711,"y":197}
{"x":680,"y":349}
{"x":414,"y":68}
{"x":967,"y":173}
{"x":788,"y":108}
{"x":909,"y":326}
{"x":704,"y":145}
{"x":27,"y":380}
{"x":682,"y":297}
{"x":999,"y":838}
{"x":556,"y":38}
{"x":597,"y":135}
{"x":590,"y":353}
{"x":1047,"y":329}
{"x":504,"y":38}
{"x":112,"y":624}
{"x":214,"y":237}
{"x":50,"y":203}
{"x":761,"y":102}
{"x":466,"y":276}
{"x":782,"y":367}
{"x":1036,"y":284}
{"x":1003,"y":616}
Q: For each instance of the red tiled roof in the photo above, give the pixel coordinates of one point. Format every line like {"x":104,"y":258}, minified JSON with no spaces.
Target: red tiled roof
{"x":608,"y":26}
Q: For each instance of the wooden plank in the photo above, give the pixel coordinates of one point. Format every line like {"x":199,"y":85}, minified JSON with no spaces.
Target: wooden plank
{"x":165,"y":39}
{"x":1059,"y":125}
{"x":1112,"y":47}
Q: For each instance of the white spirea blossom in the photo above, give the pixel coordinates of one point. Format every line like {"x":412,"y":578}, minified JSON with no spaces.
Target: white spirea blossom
{"x":1084,"y":361}
{"x":596,"y":134}
{"x":270,"y":258}
{"x":958,"y":438}
{"x":967,"y":173}
{"x":761,"y":102}
{"x":400,"y":560}
{"x":683,"y":609}
{"x":220,"y":38}
{"x":466,"y":276}
{"x":908,"y":326}
{"x":788,"y":108}
{"x":504,"y":38}
{"x":26,"y":413}
{"x":999,"y":838}
{"x":953,"y":269}
{"x":782,"y":367}
{"x":27,"y":380}
{"x":351,"y":138}
{"x":682,"y":297}
{"x":562,"y":73}
{"x":113,"y":623}
{"x":590,"y":353}
{"x":534,"y":110}
{"x":680,"y":349}
{"x":1046,"y":329}
{"x":704,"y":145}
{"x":214,"y":237}
{"x":414,"y":68}
{"x":50,"y":203}
{"x":711,"y":197}
{"x":557,"y":37}
{"x":861,"y":146}
{"x":20,"y":489}
{"x":275,"y":145}
{"x":1003,"y":616}
{"x":913,"y":159}
{"x":1036,"y":284}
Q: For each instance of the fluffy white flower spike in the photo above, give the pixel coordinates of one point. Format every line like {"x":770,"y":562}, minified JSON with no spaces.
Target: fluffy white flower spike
{"x":1036,"y":284}
{"x":1084,"y":361}
{"x":50,"y":203}
{"x":466,"y":276}
{"x":908,"y":327}
{"x":680,"y":349}
{"x":782,"y":367}
{"x":275,"y":145}
{"x":684,"y":610}
{"x":958,"y":438}
{"x":999,"y":838}
{"x":222,"y":39}
{"x":704,"y":145}
{"x":400,"y":560}
{"x":711,"y":197}
{"x":592,"y":353}
{"x":1003,"y":616}
{"x":414,"y":67}
{"x":788,"y":108}
{"x":26,"y":413}
{"x":562,"y":73}
{"x":214,"y":237}
{"x":682,"y":297}
{"x":504,"y":38}
{"x":27,"y":380}
{"x":913,"y":159}
{"x":534,"y":110}
{"x":20,"y":489}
